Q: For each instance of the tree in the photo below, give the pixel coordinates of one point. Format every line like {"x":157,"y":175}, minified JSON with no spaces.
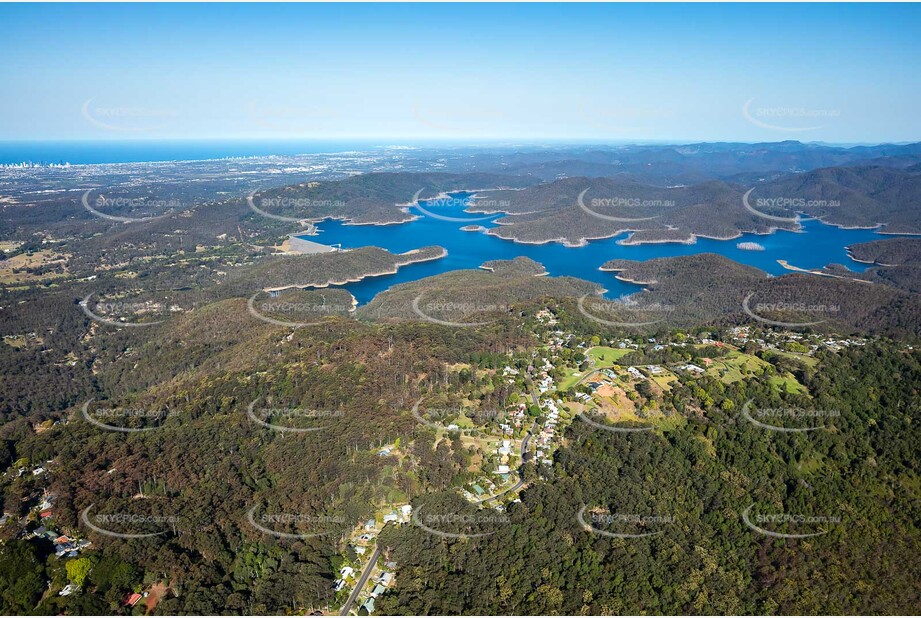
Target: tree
{"x":22,"y":578}
{"x":78,"y":569}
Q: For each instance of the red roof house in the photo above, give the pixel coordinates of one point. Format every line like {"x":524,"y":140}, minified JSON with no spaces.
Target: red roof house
{"x":132,"y":599}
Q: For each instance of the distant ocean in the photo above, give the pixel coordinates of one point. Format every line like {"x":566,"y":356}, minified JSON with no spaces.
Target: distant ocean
{"x":78,"y":152}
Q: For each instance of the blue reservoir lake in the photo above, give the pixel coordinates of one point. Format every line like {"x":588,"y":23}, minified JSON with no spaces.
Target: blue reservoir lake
{"x":817,"y":245}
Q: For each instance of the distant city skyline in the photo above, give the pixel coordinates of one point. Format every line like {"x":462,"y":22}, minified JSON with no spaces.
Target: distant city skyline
{"x":408,"y":73}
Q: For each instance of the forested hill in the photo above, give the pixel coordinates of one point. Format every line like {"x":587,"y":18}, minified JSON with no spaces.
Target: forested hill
{"x":709,"y":288}
{"x":688,"y":485}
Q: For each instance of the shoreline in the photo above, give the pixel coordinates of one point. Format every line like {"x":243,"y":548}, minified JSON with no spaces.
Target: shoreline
{"x":634,"y":281}
{"x":396,"y":268}
{"x":629,"y":242}
{"x":870,"y":262}
{"x":851,"y":227}
{"x":545,"y":273}
{"x":562,"y":240}
{"x":901,"y":233}
{"x":847,"y":250}
{"x":625,"y":279}
{"x":788,"y":266}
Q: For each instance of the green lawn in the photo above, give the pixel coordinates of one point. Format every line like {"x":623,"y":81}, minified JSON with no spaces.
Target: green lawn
{"x":809,"y":361}
{"x":604,"y":356}
{"x":729,"y":368}
{"x":664,"y":379}
{"x":571,"y":378}
{"x":464,"y":422}
{"x":787,"y":383}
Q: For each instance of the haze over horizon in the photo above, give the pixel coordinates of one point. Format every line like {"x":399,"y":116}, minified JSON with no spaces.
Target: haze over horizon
{"x":448,"y":73}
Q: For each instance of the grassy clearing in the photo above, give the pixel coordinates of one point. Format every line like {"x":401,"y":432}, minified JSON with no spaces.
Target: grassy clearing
{"x":570,"y":380}
{"x":16,"y":269}
{"x":787,"y":383}
{"x":735,"y":366}
{"x":603,"y":356}
{"x":809,"y":361}
{"x":664,"y":380}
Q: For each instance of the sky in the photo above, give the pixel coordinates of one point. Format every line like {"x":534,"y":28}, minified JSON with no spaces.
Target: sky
{"x":815,"y":72}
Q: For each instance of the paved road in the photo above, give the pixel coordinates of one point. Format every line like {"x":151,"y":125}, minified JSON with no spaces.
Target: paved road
{"x":361,"y":582}
{"x":587,"y":375}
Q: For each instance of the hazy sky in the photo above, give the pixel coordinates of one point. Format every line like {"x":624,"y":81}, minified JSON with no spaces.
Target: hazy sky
{"x":836,"y":73}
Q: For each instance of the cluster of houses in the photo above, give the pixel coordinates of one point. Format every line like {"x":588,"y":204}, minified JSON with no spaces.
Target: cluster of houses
{"x":515,"y":419}
{"x":366,"y":533}
{"x":504,"y":453}
{"x":544,"y":384}
{"x":483,"y":487}
{"x":363,"y":539}
{"x":544,"y":380}
{"x":545,"y":316}
{"x":64,"y":545}
{"x":548,"y":431}
{"x":381,"y":583}
{"x":773,"y":340}
{"x":36,"y":471}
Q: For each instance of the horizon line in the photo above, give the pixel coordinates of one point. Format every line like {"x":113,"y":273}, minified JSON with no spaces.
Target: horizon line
{"x":444,"y":140}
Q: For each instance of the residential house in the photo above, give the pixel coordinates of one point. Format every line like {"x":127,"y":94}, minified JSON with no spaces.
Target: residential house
{"x":132,"y":599}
